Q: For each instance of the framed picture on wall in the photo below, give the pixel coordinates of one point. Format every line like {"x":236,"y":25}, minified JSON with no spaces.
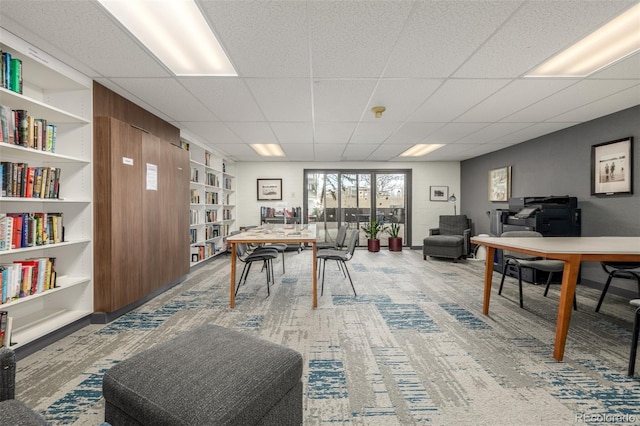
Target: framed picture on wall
{"x":500,"y":184}
{"x":438,"y":193}
{"x":611,"y":167}
{"x":269,"y":189}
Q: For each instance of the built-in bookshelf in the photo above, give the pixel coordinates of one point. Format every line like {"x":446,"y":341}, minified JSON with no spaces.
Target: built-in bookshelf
{"x":58,"y":97}
{"x":212,"y":205}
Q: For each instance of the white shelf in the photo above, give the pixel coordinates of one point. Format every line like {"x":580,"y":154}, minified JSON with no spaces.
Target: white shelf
{"x":44,"y":322}
{"x":215,"y":165}
{"x":43,"y":247}
{"x":62,"y":283}
{"x":62,"y":96}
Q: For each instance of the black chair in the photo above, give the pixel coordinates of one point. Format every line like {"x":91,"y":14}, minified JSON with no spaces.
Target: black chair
{"x":264,"y":256}
{"x":280,"y":248}
{"x":12,"y":411}
{"x":618,"y":270}
{"x":340,"y":256}
{"x":522,"y":260}
{"x":340,"y":239}
{"x":634,"y":337}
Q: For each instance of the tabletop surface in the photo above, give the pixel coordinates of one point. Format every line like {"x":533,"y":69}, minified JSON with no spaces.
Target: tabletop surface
{"x":293,"y":233}
{"x":578,"y":245}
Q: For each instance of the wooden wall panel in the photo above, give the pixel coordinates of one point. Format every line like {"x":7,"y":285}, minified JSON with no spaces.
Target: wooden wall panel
{"x":154,"y":227}
{"x":117,"y":249}
{"x":107,"y":103}
{"x":141,"y":236}
{"x":126,"y":216}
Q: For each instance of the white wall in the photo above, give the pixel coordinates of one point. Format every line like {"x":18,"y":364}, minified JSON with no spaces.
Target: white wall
{"x":424,"y":215}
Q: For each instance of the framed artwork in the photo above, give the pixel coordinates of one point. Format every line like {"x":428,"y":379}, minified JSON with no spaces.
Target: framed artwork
{"x":438,"y":193}
{"x":269,"y":189}
{"x":612,"y":167}
{"x":500,"y":184}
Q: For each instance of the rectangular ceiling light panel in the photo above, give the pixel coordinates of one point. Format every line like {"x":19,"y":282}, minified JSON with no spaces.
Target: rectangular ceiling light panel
{"x":176,"y":33}
{"x":421,"y":149}
{"x":609,"y":44}
{"x":268,"y":150}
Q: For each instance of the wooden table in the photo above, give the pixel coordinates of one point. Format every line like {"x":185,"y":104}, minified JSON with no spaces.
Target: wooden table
{"x":276,"y":234}
{"x":572,"y":250}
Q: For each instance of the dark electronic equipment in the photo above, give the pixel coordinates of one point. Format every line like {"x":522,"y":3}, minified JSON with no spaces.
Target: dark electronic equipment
{"x":552,"y":216}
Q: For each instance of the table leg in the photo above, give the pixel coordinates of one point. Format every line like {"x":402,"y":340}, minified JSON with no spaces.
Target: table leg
{"x":315,"y":278}
{"x":232,"y":295}
{"x":488,"y":277}
{"x":567,"y":291}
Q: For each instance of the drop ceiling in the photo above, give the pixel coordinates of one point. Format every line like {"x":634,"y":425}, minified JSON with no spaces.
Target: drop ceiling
{"x":309,"y":72}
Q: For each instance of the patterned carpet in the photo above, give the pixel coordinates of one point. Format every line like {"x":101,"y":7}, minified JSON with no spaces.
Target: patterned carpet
{"x":412,"y":348}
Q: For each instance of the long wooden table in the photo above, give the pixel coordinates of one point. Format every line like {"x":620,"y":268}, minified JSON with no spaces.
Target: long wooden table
{"x":274,"y":234}
{"x":572,"y":250}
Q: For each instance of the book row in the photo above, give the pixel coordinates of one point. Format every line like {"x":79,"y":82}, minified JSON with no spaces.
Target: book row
{"x":20,"y":180}
{"x":203,"y":251}
{"x":11,"y":72}
{"x":18,"y":230}
{"x":24,"y":278}
{"x":20,"y":128}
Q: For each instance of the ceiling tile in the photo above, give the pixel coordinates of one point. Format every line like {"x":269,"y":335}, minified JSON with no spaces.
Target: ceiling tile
{"x":575,"y":96}
{"x":293,"y":133}
{"x":337,"y":53}
{"x":253,"y":132}
{"x":455,"y":97}
{"x":373,"y":133}
{"x":441,"y":35}
{"x":264,"y":38}
{"x":228,"y":98}
{"x":168,"y":96}
{"x":515,"y":96}
{"x":341,"y":100}
{"x":283,"y":99}
{"x":327,"y":133}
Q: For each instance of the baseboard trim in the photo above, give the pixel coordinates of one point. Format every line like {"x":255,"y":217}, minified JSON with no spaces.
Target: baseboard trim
{"x":107,"y":317}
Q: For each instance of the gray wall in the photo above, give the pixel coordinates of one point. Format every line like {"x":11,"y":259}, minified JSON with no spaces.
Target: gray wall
{"x":560,"y":164}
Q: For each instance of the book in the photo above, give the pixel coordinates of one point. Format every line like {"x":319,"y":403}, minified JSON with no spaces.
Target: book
{"x":6,"y":70}
{"x":30,"y":177}
{"x":4,"y":318}
{"x":16,"y":75}
{"x":22,"y":127}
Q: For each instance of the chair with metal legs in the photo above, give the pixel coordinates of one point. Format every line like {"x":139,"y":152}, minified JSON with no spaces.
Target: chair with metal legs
{"x":619,"y":270}
{"x":265,"y":256}
{"x":521,"y":260}
{"x":340,"y":239}
{"x":342,"y":257}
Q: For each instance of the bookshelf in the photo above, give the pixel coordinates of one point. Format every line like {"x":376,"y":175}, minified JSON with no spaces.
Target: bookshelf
{"x":212,"y":203}
{"x":63,"y":97}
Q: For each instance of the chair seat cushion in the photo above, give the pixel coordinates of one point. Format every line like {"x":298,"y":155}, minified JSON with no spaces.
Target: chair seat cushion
{"x":542,"y":265}
{"x":444,"y":240}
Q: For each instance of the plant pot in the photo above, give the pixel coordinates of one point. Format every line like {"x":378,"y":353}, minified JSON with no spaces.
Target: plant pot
{"x":373,"y":245}
{"x":395,"y":244}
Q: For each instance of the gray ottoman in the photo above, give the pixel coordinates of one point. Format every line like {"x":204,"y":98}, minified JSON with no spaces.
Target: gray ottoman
{"x":208,"y":376}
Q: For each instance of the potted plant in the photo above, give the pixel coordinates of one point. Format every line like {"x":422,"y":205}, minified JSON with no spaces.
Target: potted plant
{"x":371,"y":230}
{"x":395,"y":242}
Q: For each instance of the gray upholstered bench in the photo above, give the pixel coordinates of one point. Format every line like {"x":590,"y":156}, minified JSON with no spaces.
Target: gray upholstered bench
{"x":208,"y":376}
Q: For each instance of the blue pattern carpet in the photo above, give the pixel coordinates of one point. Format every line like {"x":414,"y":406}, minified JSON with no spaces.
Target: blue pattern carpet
{"x":412,"y":348}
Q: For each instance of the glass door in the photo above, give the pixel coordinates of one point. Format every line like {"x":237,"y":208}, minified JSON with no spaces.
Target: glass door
{"x":347,"y":197}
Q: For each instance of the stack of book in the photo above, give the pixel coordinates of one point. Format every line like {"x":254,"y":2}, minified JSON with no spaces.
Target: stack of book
{"x":11,"y":72}
{"x":20,"y":180}
{"x":19,"y":128}
{"x":18,"y":230}
{"x":27,"y":277}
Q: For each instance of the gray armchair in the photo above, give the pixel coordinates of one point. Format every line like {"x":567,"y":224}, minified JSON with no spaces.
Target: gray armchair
{"x":452,"y":238}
